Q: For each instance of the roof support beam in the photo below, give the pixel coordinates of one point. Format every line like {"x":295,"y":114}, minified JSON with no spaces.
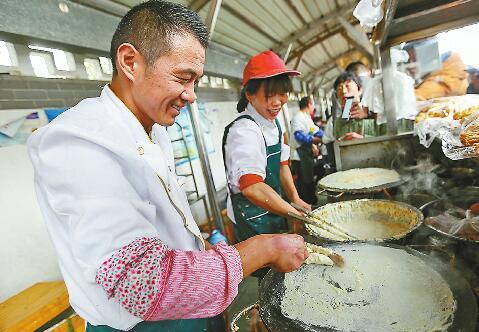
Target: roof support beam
{"x":323,"y":71}
{"x":249,"y":22}
{"x":296,"y":11}
{"x":321,"y":79}
{"x":212,"y":16}
{"x":331,"y":80}
{"x":327,"y":64}
{"x":313,"y":25}
{"x":358,"y":46}
{"x":357,"y":38}
{"x":298,"y":62}
{"x":313,"y":42}
{"x":286,"y":55}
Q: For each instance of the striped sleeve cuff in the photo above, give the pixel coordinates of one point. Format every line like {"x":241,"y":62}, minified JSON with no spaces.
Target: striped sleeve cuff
{"x":200,"y":284}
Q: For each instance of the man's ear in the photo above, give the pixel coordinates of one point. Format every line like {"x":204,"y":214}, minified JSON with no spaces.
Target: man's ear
{"x":128,"y":60}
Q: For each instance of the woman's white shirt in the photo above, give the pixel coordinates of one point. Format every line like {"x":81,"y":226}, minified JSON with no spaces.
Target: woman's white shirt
{"x":245,"y":150}
{"x":301,"y":122}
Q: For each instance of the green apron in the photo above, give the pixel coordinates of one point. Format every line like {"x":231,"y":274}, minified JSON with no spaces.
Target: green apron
{"x":213,"y":324}
{"x":365,"y":127}
{"x":179,"y":325}
{"x":250,"y":219}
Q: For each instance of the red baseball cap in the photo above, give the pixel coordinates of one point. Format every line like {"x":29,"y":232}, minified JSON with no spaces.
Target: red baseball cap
{"x":264,"y":65}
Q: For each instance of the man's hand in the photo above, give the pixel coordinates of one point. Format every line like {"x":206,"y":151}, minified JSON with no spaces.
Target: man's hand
{"x":287,"y":252}
{"x":315,"y":150}
{"x":350,"y":136}
{"x":282,"y":252}
{"x":357,"y":111}
{"x":316,"y":140}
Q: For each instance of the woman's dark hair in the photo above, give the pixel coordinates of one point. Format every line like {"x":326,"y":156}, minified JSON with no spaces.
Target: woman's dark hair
{"x":344,"y":77}
{"x":272,"y":85}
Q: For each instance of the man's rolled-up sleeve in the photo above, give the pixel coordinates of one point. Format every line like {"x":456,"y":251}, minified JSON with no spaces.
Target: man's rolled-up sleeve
{"x":110,"y":231}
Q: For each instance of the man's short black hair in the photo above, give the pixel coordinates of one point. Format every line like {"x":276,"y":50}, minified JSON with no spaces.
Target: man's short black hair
{"x":304,"y":102}
{"x":150,"y":27}
{"x":353,"y":67}
{"x":344,"y":77}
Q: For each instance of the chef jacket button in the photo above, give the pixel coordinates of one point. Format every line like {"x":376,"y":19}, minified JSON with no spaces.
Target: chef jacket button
{"x":141,"y":151}
{"x":168,"y":187}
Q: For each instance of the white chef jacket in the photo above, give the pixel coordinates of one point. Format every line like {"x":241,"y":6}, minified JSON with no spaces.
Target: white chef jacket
{"x":245,"y":150}
{"x":98,"y":179}
{"x":301,"y":121}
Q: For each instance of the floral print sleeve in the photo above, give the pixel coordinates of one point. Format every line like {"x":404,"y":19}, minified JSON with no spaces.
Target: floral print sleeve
{"x":154,"y":282}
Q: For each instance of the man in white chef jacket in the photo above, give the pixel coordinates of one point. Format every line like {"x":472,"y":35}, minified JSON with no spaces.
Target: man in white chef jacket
{"x":131,"y":254}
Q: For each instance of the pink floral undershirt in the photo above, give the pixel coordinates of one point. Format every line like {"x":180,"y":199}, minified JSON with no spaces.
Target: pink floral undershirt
{"x":154,"y":282}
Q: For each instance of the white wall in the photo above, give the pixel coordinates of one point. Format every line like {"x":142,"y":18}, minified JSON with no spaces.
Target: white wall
{"x":26,"y":253}
{"x":219,"y":115}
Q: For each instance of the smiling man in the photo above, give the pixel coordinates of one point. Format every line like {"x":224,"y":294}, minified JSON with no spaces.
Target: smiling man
{"x":131,"y":254}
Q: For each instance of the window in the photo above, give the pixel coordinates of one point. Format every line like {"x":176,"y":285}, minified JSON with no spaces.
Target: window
{"x":63,"y":60}
{"x":204,"y":81}
{"x":8,"y":56}
{"x":106,"y":65}
{"x":42,"y":64}
{"x":93,"y":69}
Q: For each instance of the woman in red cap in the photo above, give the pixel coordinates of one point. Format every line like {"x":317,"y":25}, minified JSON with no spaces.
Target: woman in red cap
{"x":254,"y":152}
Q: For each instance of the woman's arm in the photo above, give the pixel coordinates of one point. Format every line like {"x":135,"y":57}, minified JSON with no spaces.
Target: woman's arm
{"x":265,"y":197}
{"x":287,"y":184}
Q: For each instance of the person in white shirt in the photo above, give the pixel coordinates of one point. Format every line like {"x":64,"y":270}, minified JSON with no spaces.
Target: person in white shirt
{"x":130,"y":252}
{"x":304,"y":144}
{"x":255,"y":155}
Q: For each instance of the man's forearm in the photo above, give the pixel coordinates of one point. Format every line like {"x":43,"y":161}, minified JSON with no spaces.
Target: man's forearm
{"x":254,"y":254}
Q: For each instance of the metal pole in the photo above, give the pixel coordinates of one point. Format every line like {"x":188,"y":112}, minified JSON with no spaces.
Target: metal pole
{"x":205,"y":163}
{"x":389,"y":94}
{"x":377,"y":58}
{"x":286,"y":55}
{"x":212,"y":16}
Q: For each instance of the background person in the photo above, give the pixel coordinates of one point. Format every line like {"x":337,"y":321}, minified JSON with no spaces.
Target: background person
{"x":304,"y":143}
{"x":450,"y":79}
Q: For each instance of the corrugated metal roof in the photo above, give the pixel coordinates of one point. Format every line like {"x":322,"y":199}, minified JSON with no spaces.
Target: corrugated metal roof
{"x":252,"y":26}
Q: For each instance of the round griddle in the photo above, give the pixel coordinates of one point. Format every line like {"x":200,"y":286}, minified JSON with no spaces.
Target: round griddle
{"x":272,"y":290}
{"x":433,"y":208}
{"x":377,"y":210}
{"x":365,"y":190}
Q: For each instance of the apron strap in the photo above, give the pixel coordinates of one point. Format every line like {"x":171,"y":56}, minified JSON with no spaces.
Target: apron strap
{"x":280,"y":132}
{"x":225,"y":136}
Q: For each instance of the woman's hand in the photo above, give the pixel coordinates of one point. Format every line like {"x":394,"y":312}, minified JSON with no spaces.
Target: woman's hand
{"x":358,"y":112}
{"x":302,"y":203}
{"x":350,"y":136}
